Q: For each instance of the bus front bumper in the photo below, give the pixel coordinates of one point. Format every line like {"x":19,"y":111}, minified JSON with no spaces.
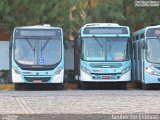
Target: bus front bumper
{"x":88,"y":78}
{"x":18,"y":78}
{"x":151,"y":79}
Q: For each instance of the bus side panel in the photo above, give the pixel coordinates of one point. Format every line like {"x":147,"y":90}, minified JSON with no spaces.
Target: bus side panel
{"x":77,"y":60}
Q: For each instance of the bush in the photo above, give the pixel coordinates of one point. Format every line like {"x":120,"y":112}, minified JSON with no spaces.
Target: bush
{"x":4,"y":75}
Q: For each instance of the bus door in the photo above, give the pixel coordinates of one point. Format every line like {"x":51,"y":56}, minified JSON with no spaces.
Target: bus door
{"x":137,"y":63}
{"x":134,"y":60}
{"x":141,"y":54}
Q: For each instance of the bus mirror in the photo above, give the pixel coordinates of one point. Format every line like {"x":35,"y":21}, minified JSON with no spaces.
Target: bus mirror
{"x":79,"y":43}
{"x":143,"y":44}
{"x":10,"y":45}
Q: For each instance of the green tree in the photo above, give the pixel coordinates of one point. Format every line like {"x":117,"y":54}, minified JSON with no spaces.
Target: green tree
{"x":72,"y":14}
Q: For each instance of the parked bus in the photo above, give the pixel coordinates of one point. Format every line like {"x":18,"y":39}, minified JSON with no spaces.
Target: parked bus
{"x":103,"y":54}
{"x":146,"y":56}
{"x":37,"y":56}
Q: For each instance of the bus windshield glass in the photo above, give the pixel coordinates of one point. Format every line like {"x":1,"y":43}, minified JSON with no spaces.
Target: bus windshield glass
{"x":37,"y":51}
{"x":153,"y":55}
{"x":105,"y":49}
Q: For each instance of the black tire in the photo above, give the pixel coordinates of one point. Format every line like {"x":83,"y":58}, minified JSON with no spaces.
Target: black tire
{"x":84,"y":85}
{"x":17,"y":86}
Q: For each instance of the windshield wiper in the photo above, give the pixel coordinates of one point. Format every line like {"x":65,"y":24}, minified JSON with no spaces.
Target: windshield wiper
{"x":45,"y":44}
{"x":97,"y":41}
{"x":33,"y":48}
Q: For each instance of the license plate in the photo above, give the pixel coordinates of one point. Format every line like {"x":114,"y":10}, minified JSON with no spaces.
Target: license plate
{"x":37,"y":81}
{"x":105,"y":77}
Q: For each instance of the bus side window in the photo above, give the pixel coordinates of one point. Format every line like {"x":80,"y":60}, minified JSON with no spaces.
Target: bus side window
{"x":142,"y":41}
{"x":134,"y":48}
{"x":142,"y":44}
{"x":139,"y":50}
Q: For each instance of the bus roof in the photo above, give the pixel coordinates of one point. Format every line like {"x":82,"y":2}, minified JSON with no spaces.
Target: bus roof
{"x":37,"y":31}
{"x":103,"y":25}
{"x":45,"y":26}
{"x":143,"y":30}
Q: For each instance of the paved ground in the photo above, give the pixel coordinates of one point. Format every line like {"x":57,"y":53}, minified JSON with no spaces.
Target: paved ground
{"x":80,"y":102}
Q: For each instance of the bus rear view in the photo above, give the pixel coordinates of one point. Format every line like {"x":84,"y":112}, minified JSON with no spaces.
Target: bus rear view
{"x":103,"y":55}
{"x":37,"y":55}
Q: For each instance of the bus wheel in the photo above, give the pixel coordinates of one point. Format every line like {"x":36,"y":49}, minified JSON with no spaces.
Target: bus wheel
{"x":145,"y":87}
{"x":84,"y":85}
{"x":17,"y":86}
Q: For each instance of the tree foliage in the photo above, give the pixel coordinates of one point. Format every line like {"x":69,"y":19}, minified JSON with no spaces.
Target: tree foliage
{"x":72,"y":14}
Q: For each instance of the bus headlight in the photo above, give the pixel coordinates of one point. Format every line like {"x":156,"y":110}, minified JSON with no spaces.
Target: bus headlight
{"x":125,"y":70}
{"x":58,"y":71}
{"x":151,"y":71}
{"x":86,"y":70}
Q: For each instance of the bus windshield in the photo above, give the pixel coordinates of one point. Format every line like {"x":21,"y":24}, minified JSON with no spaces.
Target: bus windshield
{"x":153,"y":55}
{"x":37,"y":51}
{"x":105,"y":49}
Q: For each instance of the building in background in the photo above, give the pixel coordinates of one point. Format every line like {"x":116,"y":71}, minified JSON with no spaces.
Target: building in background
{"x":4,"y":50}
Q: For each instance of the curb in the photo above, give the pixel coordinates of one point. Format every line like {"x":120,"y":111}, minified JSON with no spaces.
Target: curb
{"x":131,"y":86}
{"x":67,"y":86}
{"x":6,"y":86}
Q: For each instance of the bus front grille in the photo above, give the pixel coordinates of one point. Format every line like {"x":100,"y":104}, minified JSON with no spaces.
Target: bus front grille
{"x":42,"y":79}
